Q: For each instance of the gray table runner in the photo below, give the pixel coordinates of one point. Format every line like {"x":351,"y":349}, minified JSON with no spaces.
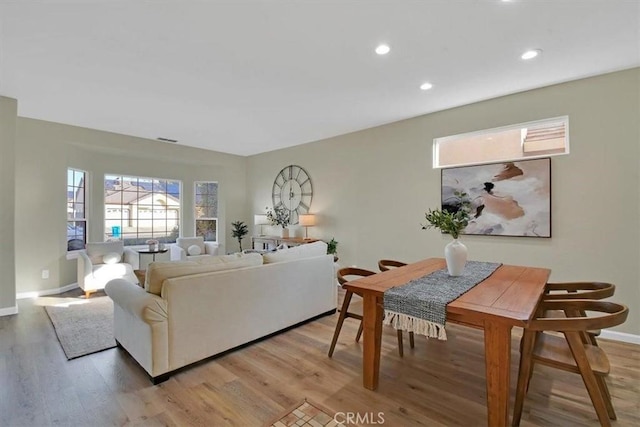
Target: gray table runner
{"x":420,"y":306}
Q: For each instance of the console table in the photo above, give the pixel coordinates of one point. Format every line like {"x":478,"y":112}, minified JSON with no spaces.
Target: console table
{"x":264,"y":242}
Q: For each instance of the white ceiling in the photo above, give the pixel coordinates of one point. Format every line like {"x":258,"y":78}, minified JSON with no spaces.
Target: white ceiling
{"x":245,"y":77}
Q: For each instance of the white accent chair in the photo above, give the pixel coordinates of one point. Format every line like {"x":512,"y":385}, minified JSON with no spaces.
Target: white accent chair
{"x":104,"y":261}
{"x":180,"y":250}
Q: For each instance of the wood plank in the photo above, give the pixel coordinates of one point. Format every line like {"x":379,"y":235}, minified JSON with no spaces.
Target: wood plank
{"x":497,"y":344}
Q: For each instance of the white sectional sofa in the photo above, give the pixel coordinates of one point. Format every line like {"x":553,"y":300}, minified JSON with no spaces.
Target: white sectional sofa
{"x":192,"y":310}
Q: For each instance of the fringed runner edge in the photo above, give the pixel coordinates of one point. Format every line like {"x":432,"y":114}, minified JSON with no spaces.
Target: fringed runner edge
{"x":414,"y":324}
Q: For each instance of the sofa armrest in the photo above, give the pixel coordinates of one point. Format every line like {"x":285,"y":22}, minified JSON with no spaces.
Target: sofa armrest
{"x":135,"y":300}
{"x":85,"y":267}
{"x":211,"y":248}
{"x":132,"y":258}
{"x":177,"y":253}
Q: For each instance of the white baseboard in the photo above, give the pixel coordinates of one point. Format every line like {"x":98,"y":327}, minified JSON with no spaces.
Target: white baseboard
{"x":54,"y":291}
{"x":620,"y":336}
{"x":8,"y":311}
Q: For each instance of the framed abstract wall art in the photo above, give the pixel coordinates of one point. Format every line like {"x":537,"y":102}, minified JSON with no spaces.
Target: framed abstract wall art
{"x":503,"y":199}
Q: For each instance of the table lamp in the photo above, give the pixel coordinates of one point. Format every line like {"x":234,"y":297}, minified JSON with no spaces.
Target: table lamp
{"x":307,"y":220}
{"x":260,"y":219}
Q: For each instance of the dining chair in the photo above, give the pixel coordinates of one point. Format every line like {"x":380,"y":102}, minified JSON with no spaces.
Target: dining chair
{"x":343,"y":277}
{"x":388,"y":264}
{"x":580,"y":290}
{"x":570,"y":352}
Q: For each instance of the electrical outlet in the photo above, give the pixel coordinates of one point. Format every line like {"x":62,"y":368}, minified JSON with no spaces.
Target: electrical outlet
{"x":45,"y":274}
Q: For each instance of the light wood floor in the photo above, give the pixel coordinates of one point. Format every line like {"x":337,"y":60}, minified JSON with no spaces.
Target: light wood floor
{"x":435,"y":384}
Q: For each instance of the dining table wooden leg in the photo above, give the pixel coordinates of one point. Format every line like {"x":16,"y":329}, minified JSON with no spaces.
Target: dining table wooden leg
{"x":497,"y":351}
{"x":372,"y":324}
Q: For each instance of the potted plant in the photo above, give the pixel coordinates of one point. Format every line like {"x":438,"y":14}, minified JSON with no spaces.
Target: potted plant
{"x":332,"y":249}
{"x":452,"y":223}
{"x":240,"y":230}
{"x":279,"y":216}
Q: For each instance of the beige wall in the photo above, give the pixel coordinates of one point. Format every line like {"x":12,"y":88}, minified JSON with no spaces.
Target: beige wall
{"x":45,"y":150}
{"x":372,"y":187}
{"x":8,"y":109}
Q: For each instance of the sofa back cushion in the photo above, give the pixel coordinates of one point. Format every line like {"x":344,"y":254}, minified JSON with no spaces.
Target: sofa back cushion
{"x":158,"y":272}
{"x":97,"y":250}
{"x":297,"y":252}
{"x":185,"y":242}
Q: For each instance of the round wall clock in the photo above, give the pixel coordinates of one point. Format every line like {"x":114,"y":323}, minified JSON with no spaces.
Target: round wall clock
{"x":292,"y":189}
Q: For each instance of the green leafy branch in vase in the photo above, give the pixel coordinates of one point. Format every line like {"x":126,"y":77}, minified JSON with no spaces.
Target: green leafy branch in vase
{"x":278,"y":216}
{"x":450,"y":222}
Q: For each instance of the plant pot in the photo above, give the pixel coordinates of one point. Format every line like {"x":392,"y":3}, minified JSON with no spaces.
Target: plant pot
{"x":456,"y":255}
{"x":285,"y":233}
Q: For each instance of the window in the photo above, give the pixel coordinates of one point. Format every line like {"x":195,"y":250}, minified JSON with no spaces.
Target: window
{"x":137,"y":209}
{"x":206,"y":210}
{"x":76,"y":210}
{"x":530,"y":140}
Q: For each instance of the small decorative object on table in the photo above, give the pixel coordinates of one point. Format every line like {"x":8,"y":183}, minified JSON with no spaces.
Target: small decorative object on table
{"x":452,"y":223}
{"x":279,"y":216}
{"x":153,"y":245}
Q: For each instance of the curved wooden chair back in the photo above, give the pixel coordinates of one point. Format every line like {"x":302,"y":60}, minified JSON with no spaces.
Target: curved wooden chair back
{"x":579,"y":290}
{"x":614,"y":315}
{"x":343,"y":273}
{"x":388,"y":264}
{"x":572,"y":353}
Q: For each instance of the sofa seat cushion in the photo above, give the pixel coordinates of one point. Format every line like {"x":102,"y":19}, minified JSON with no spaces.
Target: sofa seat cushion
{"x":111,"y":271}
{"x":158,"y":272}
{"x":297,"y":252}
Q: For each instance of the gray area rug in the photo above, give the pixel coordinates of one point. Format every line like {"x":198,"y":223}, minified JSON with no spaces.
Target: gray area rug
{"x":83,"y":326}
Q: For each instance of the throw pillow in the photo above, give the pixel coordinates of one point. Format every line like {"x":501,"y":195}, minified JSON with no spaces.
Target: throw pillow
{"x":194,"y":250}
{"x":111,"y":258}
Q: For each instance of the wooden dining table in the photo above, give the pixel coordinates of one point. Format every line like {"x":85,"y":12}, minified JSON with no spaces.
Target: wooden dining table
{"x":505,"y":299}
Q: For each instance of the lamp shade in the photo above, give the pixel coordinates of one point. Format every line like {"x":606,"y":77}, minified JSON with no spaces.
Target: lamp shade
{"x":307,"y":220}
{"x":260,"y":219}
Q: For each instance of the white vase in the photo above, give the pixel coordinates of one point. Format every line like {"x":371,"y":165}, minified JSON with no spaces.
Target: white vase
{"x":285,"y":233}
{"x":456,"y":255}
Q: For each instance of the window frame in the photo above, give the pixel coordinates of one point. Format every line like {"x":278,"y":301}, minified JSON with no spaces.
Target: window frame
{"x":85,"y":203}
{"x":107,"y":230}
{"x":195,"y":216}
{"x":519,"y":126}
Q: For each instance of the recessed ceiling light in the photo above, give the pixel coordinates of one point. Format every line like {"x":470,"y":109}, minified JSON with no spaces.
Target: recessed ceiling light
{"x":383,"y":49}
{"x":426,"y":86}
{"x":530,"y":54}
